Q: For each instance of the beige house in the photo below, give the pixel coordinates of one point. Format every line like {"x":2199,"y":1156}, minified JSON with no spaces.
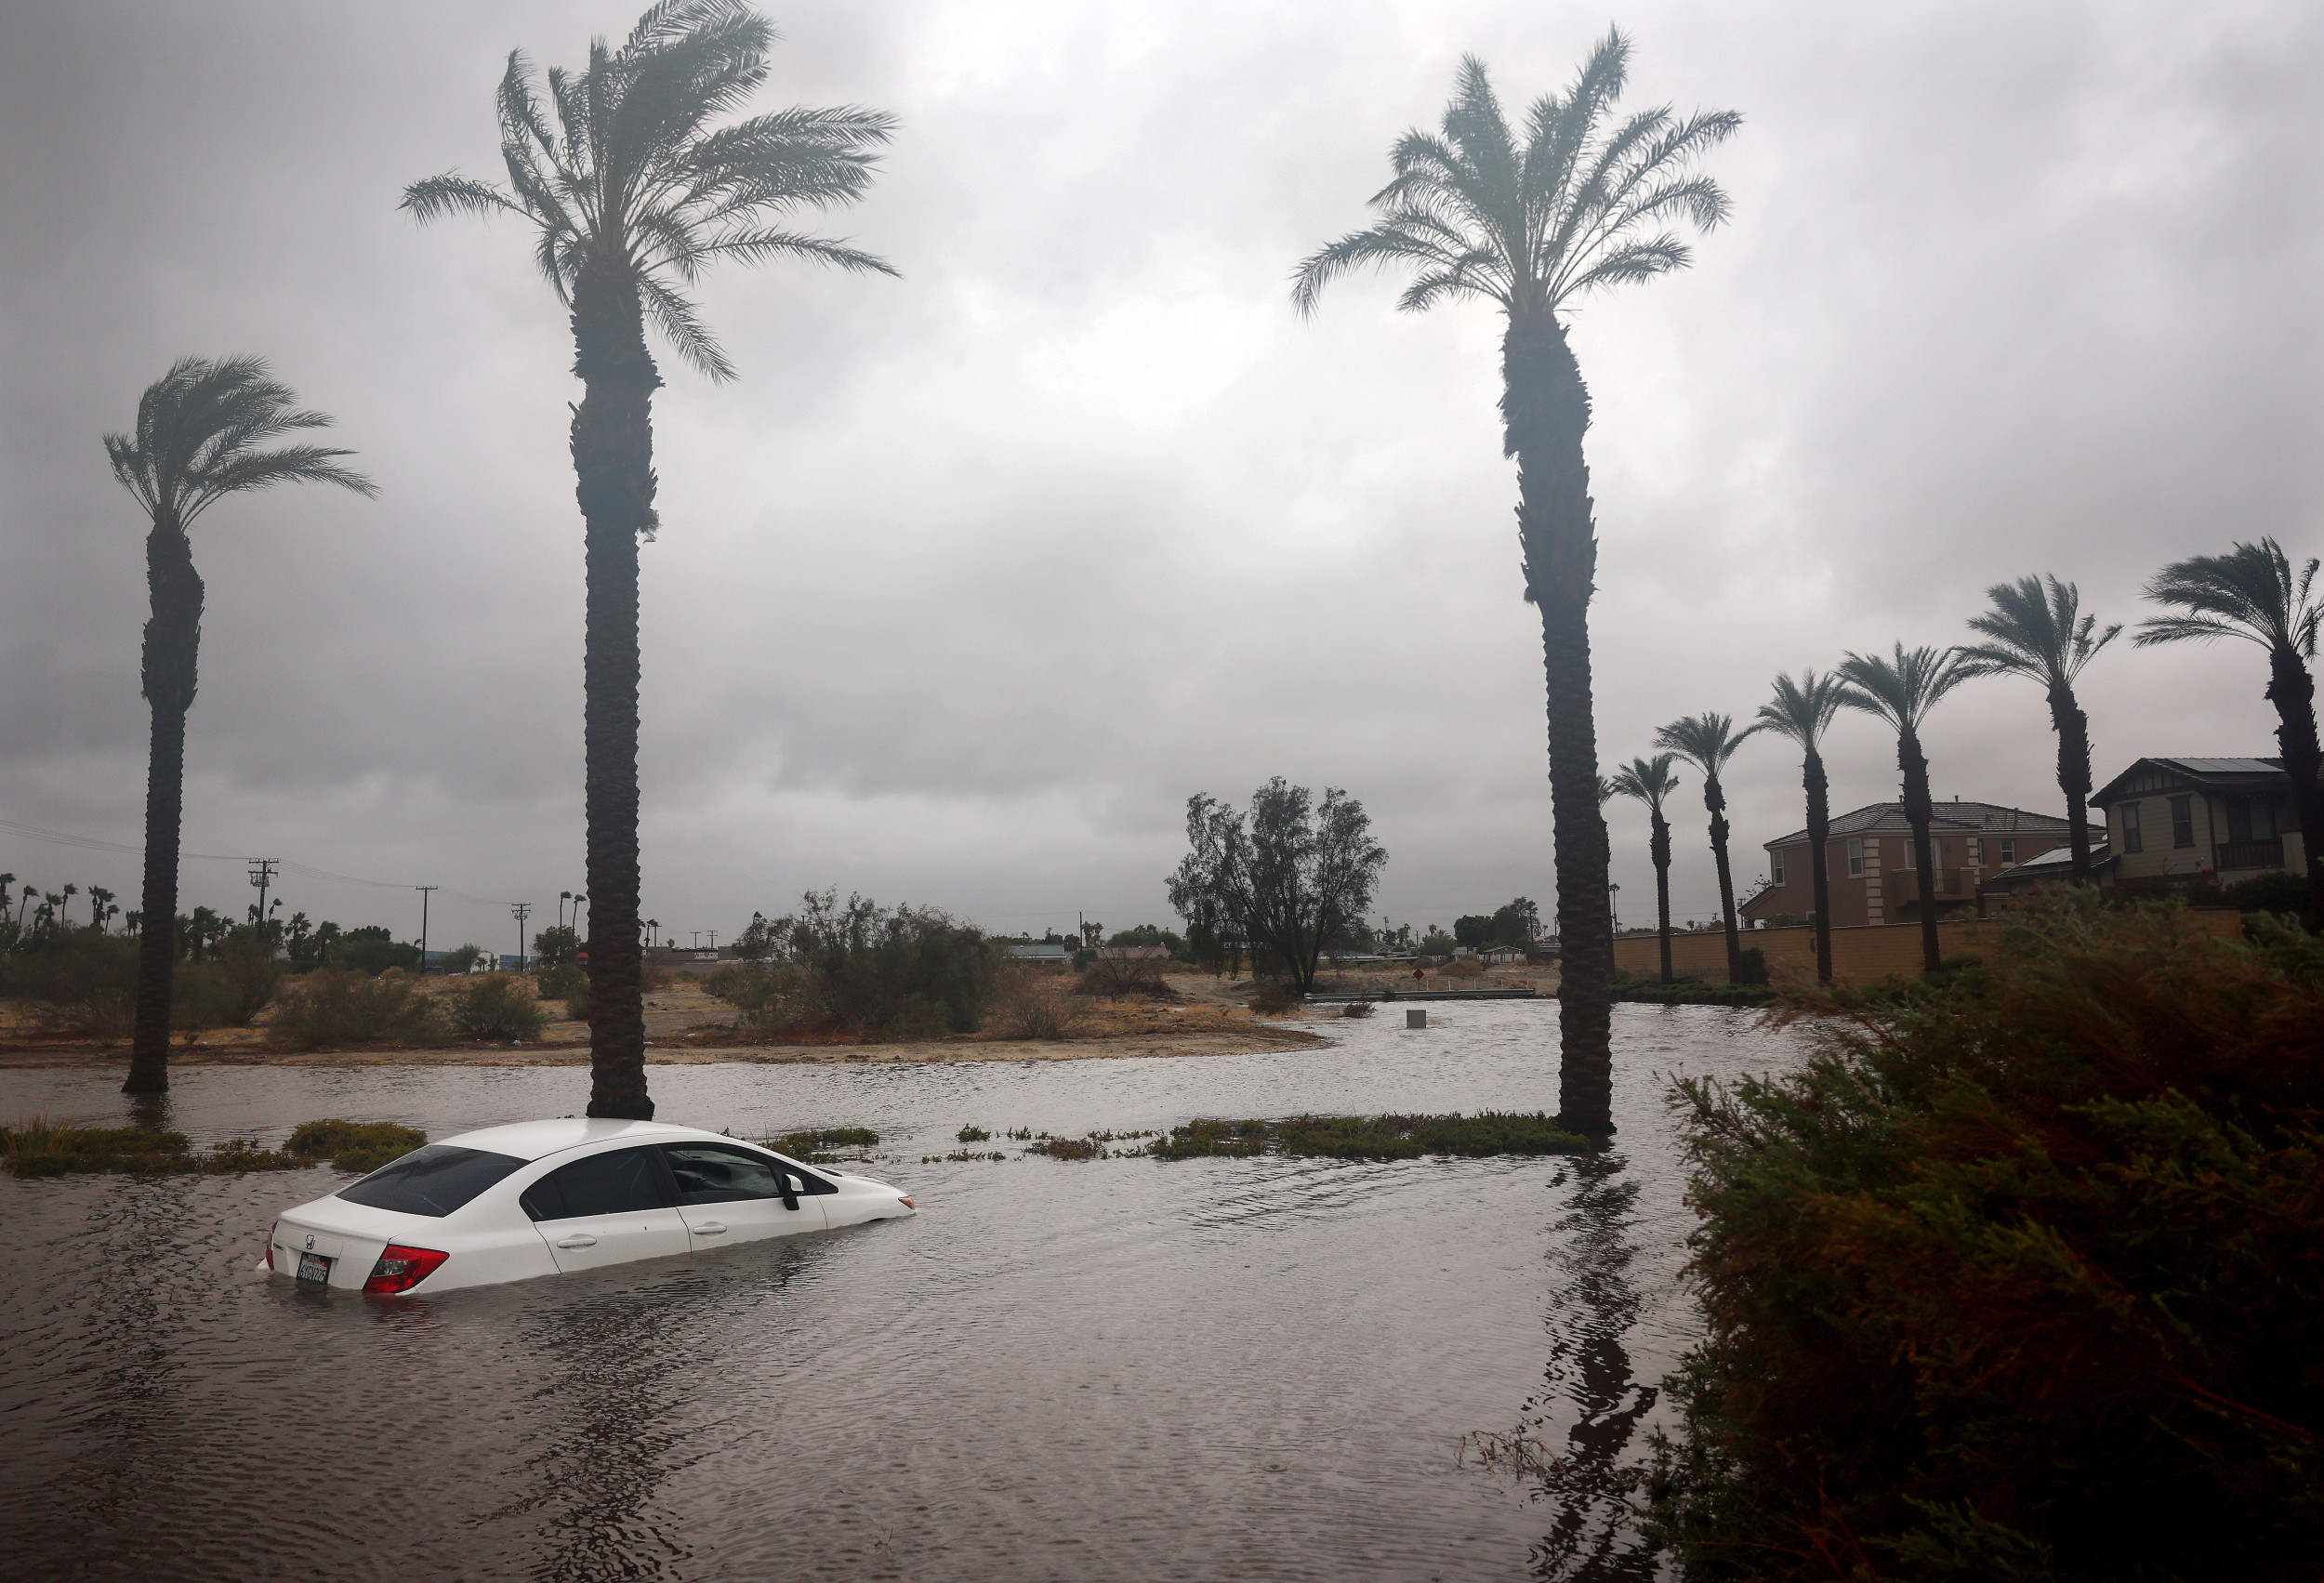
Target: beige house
{"x":2203,"y":820}
{"x":1869,"y":862}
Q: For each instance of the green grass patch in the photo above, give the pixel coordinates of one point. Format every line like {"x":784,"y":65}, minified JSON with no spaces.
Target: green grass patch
{"x":1372,"y":1138}
{"x":38,"y":1147}
{"x":815,"y":1145}
{"x":353,"y":1145}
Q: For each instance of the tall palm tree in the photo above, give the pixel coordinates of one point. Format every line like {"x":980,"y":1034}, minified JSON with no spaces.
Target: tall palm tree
{"x":632,"y":192}
{"x":1902,"y":692}
{"x":203,"y":433}
{"x":1581,"y":204}
{"x":1802,"y":710}
{"x":1649,"y":780}
{"x":1706,"y":742}
{"x":2042,"y":635}
{"x":2250,"y":593}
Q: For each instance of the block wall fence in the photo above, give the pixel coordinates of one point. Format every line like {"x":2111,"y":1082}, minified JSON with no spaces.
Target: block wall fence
{"x":1859,"y":956}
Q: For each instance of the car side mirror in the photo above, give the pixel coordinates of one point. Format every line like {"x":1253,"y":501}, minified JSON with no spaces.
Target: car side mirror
{"x":790,"y":1186}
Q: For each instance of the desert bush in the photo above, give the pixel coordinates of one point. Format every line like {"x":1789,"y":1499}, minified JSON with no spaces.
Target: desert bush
{"x":339,"y":1009}
{"x":2016,"y":1278}
{"x":230,"y":989}
{"x":495,"y":1005}
{"x":1026,"y":1005}
{"x":1357,"y":1009}
{"x":972,"y":1135}
{"x":862,"y":969}
{"x":1108,"y":978}
{"x":814,"y":1145}
{"x":560,"y":980}
{"x":1273,"y":998}
{"x":79,"y":980}
{"x":37,"y":1147}
{"x":353,"y":1145}
{"x":1465,"y":967}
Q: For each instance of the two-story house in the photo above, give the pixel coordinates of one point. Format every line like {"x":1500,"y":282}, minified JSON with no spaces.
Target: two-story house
{"x":1868,"y":859}
{"x":2177,"y":821}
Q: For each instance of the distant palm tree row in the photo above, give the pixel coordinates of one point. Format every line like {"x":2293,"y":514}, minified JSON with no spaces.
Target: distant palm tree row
{"x":2034,"y":628}
{"x":630,"y":194}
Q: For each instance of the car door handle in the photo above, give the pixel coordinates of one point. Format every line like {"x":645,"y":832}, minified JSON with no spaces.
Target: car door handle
{"x":579,"y":1239}
{"x":709,"y":1228}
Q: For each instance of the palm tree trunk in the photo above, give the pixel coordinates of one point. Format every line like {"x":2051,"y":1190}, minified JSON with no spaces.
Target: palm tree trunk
{"x":2073,"y":728}
{"x":1818,"y":860}
{"x":1545,"y":410}
{"x":1715,"y":800}
{"x":613,"y":462}
{"x":173,"y":640}
{"x":1660,"y":847}
{"x":1919,"y":811}
{"x":2293,"y":690}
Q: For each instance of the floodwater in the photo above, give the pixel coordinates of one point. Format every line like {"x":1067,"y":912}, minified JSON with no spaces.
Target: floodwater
{"x":1124,"y":1368}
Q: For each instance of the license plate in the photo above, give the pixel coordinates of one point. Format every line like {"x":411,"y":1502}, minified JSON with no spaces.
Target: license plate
{"x":314,"y":1267}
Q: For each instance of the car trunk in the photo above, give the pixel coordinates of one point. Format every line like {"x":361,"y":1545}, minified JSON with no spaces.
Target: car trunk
{"x":351,"y":1235}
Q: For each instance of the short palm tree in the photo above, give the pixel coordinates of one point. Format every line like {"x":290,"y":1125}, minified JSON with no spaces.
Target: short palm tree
{"x":1902,"y":691}
{"x":1802,"y":710}
{"x":204,"y":432}
{"x":1708,"y":742}
{"x":2250,"y":593}
{"x":1650,"y":780}
{"x":2039,"y":633}
{"x":1579,"y":201}
{"x":632,"y":192}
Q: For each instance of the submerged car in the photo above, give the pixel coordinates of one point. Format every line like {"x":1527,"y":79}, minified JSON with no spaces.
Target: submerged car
{"x":545,"y":1197}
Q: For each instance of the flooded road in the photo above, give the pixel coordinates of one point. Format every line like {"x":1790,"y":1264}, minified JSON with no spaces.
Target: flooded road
{"x":1123,"y":1368}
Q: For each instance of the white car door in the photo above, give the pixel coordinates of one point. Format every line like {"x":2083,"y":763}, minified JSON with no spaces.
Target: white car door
{"x":607,"y":1208}
{"x":727,"y":1194}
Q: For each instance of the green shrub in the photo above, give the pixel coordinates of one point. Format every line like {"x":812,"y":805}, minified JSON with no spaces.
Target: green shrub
{"x":1372,"y":1138}
{"x":561,"y":981}
{"x":81,"y":980}
{"x":337,"y":1009}
{"x":813,"y":1146}
{"x":1750,"y":966}
{"x":972,"y":1135}
{"x":862,"y":969}
{"x":37,"y":1147}
{"x":1273,"y":998}
{"x":2276,"y":893}
{"x":2019,"y":1276}
{"x":230,"y":989}
{"x":1691,"y":992}
{"x":495,"y":1005}
{"x":353,"y":1145}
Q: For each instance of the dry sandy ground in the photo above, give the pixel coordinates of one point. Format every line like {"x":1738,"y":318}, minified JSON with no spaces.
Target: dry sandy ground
{"x":685,"y":1027}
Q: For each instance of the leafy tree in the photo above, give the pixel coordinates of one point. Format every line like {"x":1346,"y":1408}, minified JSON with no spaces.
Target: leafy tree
{"x":1293,"y":881}
{"x":632,"y":192}
{"x":2042,"y":635}
{"x":1650,"y":780}
{"x":1802,"y":711}
{"x":201,"y":435}
{"x":1533,"y":222}
{"x":1902,"y":692}
{"x":1706,"y":742}
{"x":372,"y":949}
{"x":557,"y":947}
{"x":463,"y":957}
{"x":2250,"y":593}
{"x":1150,"y":934}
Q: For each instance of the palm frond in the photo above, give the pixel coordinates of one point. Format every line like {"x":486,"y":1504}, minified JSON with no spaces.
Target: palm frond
{"x":2036,"y":632}
{"x":1648,"y":780}
{"x":1707,"y":741}
{"x":674,"y":316}
{"x":2250,"y":592}
{"x":1903,"y":689}
{"x":758,"y":245}
{"x":197,"y":430}
{"x":436,"y":196}
{"x":1802,"y":710}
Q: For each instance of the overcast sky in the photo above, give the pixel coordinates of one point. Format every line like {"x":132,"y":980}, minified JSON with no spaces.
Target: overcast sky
{"x":973,"y":577}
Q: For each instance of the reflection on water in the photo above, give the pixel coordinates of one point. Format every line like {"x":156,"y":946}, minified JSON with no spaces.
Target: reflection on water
{"x":1120,"y":1368}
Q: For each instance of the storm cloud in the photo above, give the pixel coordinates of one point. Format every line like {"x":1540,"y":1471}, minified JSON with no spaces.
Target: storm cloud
{"x":972,"y":577}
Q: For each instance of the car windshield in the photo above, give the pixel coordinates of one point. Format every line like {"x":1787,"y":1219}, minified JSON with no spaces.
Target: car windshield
{"x":434,"y":1181}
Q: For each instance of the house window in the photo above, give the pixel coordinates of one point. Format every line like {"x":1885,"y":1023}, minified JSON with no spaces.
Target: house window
{"x":2129,"y":828}
{"x":2009,"y":852}
{"x":1977,"y":854}
{"x":2183,"y":821}
{"x":1855,"y":858}
{"x":1775,"y":865}
{"x":2250,"y":819}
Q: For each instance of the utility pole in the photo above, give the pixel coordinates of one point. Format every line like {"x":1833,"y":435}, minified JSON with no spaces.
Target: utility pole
{"x":521,"y":911}
{"x":697,"y":934}
{"x":261,"y":875}
{"x":714,"y":938}
{"x":423,"y":891}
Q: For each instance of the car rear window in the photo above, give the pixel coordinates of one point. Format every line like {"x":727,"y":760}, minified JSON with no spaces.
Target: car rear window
{"x":434,"y":1180}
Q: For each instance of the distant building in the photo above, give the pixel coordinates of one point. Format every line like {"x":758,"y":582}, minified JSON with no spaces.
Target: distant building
{"x":1133,"y":953}
{"x":1868,"y":860}
{"x":2175,"y":821}
{"x":2052,"y":867}
{"x":1045,"y":954}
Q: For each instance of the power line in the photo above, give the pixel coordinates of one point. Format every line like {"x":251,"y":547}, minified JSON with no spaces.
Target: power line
{"x":287,"y":865}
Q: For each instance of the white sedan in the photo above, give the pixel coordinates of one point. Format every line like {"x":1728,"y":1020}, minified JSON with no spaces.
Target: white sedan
{"x":542,"y":1197}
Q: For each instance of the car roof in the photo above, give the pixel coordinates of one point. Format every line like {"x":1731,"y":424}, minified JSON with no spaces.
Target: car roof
{"x":532,"y":1139}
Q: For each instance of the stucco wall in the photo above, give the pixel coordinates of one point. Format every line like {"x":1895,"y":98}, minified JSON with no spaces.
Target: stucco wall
{"x":1859,"y":956}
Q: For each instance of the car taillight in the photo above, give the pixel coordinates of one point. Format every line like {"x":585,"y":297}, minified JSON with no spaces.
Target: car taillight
{"x":269,"y":1242}
{"x":400,"y":1268}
